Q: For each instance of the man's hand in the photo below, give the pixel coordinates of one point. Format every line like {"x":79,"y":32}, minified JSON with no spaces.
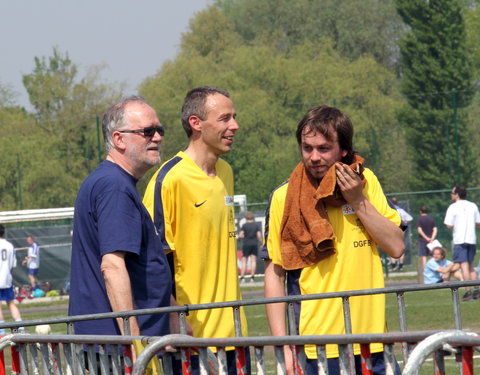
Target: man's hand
{"x":350,"y":183}
{"x":175,"y":320}
{"x":288,"y":360}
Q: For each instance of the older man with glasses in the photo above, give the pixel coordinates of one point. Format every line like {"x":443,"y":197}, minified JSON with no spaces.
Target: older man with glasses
{"x":118,"y":262}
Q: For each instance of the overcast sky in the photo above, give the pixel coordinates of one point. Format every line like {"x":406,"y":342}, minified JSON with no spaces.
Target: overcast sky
{"x":133,"y":38}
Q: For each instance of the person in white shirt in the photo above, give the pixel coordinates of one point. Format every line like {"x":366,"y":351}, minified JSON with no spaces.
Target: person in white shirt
{"x":463,"y":217}
{"x":32,"y":261}
{"x":7,"y":262}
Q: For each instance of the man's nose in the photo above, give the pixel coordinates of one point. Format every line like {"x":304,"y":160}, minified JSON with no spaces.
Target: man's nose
{"x":234,"y":125}
{"x":315,"y":155}
{"x":157,"y":137}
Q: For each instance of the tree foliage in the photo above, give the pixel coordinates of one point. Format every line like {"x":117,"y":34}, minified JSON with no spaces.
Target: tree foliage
{"x":272,"y":89}
{"x":277,"y":58}
{"x":50,"y":152}
{"x":356,"y":28}
{"x":437,"y":79}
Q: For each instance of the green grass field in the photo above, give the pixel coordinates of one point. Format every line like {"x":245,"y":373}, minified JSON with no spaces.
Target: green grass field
{"x":426,"y":310}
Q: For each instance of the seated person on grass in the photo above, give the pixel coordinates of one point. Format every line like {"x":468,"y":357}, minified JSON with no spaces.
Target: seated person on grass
{"x":438,"y":269}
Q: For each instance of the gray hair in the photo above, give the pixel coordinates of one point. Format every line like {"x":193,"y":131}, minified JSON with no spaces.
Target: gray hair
{"x":114,"y":119}
{"x":194,"y":104}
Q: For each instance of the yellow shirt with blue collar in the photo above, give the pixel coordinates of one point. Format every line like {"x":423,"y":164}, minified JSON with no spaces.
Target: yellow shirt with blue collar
{"x":195,"y":217}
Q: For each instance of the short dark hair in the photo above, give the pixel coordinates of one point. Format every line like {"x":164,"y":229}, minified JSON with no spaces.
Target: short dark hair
{"x":327,"y":120}
{"x":2,"y":230}
{"x":194,"y":104}
{"x":424,"y":209}
{"x":249,"y":215}
{"x":461,"y":191}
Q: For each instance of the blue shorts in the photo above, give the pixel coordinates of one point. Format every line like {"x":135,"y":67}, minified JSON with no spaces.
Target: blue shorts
{"x":33,"y":271}
{"x":7,"y":294}
{"x":423,"y":250}
{"x":464,"y":252}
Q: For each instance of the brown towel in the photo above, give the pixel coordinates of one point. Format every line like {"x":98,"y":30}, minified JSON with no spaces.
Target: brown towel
{"x":307,"y":236}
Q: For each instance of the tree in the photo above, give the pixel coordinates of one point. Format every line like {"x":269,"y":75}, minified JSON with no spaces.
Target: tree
{"x":59,"y":146}
{"x":16,"y":128}
{"x":271,"y":91}
{"x":437,"y":82}
{"x":356,"y":28}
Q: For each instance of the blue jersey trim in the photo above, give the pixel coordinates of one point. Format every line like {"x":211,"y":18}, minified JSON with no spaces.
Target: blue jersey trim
{"x":159,"y":219}
{"x":264,"y":250}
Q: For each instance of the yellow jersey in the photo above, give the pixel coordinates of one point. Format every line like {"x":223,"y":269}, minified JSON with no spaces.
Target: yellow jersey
{"x":195,"y":217}
{"x":355,"y":265}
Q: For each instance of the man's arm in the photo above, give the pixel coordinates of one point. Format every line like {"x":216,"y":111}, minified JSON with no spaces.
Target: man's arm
{"x":387,"y":235}
{"x":275,"y":287}
{"x":119,"y":291}
{"x":434,"y":234}
{"x":259,"y":236}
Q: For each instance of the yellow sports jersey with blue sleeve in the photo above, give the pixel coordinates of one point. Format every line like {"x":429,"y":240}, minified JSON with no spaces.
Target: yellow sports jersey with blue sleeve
{"x":355,"y":265}
{"x":195,"y":217}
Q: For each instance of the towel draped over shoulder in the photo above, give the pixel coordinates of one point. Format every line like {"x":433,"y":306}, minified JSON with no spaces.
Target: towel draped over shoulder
{"x":307,"y":236}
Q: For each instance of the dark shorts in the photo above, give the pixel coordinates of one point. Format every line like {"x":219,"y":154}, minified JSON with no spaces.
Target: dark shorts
{"x":378,"y":365}
{"x":33,"y":271}
{"x":249,"y":250}
{"x":464,"y":252}
{"x":423,"y":250}
{"x":7,"y":294}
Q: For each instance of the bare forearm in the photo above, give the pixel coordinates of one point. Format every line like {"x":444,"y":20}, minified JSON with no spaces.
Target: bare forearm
{"x":434,"y":233}
{"x":275,"y":287}
{"x":119,"y":292}
{"x":384,"y":232}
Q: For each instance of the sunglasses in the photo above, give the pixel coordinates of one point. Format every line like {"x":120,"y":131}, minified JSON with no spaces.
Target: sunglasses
{"x":147,"y":132}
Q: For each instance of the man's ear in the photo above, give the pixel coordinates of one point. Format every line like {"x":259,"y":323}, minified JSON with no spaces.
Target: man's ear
{"x":119,"y":140}
{"x":195,"y":123}
{"x":344,"y":153}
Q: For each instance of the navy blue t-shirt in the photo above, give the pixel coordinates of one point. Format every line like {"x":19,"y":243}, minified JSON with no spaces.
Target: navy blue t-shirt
{"x":109,"y":216}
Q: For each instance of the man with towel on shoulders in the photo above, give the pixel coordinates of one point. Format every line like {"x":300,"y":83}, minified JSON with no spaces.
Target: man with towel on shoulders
{"x":322,"y":231}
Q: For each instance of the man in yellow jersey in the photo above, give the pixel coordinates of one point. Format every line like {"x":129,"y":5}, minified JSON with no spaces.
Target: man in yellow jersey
{"x":190,"y":199}
{"x":354,"y":219}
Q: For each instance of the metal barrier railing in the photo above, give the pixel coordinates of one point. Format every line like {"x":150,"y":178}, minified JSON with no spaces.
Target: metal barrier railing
{"x":75,"y":354}
{"x":290,"y":300}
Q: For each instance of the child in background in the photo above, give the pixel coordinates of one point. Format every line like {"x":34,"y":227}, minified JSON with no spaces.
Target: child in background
{"x":439,"y":269}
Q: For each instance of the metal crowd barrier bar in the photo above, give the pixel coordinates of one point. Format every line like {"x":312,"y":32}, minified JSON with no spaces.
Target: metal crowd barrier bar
{"x":289,"y":300}
{"x":68,"y":354}
{"x":75,"y":354}
{"x":259,"y":343}
{"x":65,"y":354}
{"x":183,"y":310}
